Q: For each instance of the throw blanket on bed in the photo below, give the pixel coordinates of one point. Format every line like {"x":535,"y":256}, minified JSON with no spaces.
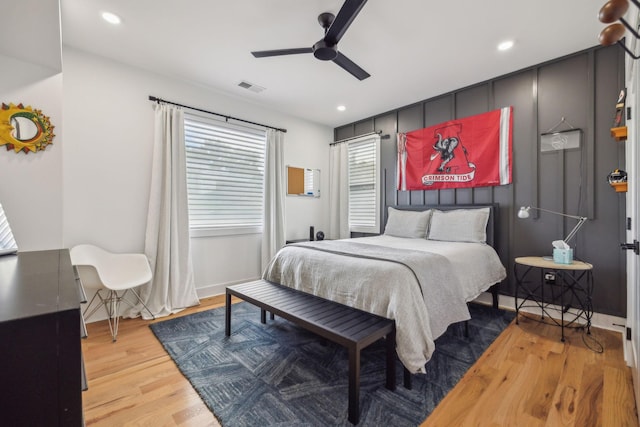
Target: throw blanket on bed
{"x":418,"y":289}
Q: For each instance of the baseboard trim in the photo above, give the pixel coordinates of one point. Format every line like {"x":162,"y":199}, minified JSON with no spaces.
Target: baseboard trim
{"x":599,"y":320}
{"x":220,"y":288}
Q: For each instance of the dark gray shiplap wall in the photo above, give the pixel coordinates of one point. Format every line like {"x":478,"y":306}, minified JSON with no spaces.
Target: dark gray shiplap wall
{"x":582,"y":88}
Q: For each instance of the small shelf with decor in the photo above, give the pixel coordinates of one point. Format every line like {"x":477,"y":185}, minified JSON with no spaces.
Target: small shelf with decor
{"x":618,"y":129}
{"x":618,"y":180}
{"x":619,"y":133}
{"x":620,"y":187}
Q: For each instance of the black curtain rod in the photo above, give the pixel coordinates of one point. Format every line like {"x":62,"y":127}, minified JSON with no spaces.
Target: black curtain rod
{"x":156,"y":99}
{"x":360,"y":136}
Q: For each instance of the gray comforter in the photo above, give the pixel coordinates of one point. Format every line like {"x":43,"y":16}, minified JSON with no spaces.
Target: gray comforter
{"x":415,"y":288}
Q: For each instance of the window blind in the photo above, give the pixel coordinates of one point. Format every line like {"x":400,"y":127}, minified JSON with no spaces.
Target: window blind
{"x":364,"y":185}
{"x":225,"y":173}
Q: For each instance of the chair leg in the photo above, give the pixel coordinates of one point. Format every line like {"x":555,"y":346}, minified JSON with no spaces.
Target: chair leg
{"x":96,"y":295}
{"x":111,"y":302}
{"x":138,"y":301}
{"x":142,"y":302}
{"x":111,"y":305}
{"x":116,"y":318}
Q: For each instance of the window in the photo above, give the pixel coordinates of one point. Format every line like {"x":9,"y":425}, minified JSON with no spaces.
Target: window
{"x":225,"y":176}
{"x":364,"y":185}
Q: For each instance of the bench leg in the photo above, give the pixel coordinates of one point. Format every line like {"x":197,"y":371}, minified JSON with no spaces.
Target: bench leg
{"x":494,"y":295}
{"x":354,"y":385}
{"x":227,"y":315}
{"x":391,"y":359}
{"x":263,"y":316}
{"x":407,"y":378}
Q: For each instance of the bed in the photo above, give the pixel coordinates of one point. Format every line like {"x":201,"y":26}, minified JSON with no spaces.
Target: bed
{"x":421,"y":272}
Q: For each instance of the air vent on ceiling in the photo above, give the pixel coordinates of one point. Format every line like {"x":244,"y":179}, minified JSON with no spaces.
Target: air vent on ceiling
{"x":251,"y":86}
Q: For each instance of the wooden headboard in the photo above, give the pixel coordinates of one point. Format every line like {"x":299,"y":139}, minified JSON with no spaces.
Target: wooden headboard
{"x":491,"y":223}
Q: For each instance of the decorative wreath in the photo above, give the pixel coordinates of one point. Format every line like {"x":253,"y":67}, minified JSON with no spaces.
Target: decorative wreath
{"x":24,"y":129}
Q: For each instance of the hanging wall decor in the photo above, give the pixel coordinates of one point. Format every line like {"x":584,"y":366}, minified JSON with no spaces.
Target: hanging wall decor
{"x":554,"y":140}
{"x":470,"y":152}
{"x":24,"y":128}
{"x":563,"y":140}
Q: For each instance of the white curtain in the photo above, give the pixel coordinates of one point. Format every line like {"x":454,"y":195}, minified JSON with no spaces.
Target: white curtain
{"x":273,"y":234}
{"x":339,"y":192}
{"x":167,"y":243}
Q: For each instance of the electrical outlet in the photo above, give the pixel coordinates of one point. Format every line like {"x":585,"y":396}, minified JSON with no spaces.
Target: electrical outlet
{"x":549,"y":278}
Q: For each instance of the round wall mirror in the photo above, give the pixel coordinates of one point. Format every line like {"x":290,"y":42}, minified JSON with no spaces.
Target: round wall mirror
{"x":24,"y":129}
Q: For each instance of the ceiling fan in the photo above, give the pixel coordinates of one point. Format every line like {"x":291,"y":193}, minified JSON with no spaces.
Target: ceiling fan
{"x":326,"y":49}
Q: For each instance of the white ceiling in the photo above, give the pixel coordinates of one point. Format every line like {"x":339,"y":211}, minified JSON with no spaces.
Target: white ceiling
{"x":30,"y":32}
{"x":413,"y":49}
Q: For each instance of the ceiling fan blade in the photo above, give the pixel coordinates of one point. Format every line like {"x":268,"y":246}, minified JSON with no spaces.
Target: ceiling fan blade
{"x":351,"y":67}
{"x":343,"y":20}
{"x":279,"y":52}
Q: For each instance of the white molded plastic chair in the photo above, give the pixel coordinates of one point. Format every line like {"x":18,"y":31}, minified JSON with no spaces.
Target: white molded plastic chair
{"x":112,"y":274}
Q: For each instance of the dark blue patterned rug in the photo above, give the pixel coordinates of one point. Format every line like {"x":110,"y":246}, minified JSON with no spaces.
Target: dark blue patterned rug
{"x":279,"y":374}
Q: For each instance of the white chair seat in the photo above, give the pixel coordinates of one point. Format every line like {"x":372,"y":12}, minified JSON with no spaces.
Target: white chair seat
{"x":116,"y":274}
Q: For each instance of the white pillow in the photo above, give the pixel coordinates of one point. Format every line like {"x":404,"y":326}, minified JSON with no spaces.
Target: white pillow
{"x":459,"y":225}
{"x":413,"y":224}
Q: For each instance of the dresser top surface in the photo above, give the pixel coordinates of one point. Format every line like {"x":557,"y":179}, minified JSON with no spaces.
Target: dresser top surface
{"x":36,"y":283}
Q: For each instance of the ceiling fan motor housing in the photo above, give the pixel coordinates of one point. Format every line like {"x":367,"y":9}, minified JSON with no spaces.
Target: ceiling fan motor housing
{"x":324,"y":51}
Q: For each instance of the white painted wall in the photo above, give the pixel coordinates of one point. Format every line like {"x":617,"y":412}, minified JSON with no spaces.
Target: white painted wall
{"x":108,"y":123}
{"x":30,"y":184}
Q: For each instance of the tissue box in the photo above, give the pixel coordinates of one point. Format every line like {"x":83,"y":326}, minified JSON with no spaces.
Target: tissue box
{"x":562,"y":256}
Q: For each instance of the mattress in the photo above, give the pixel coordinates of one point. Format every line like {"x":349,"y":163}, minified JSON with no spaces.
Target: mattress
{"x":423,"y":285}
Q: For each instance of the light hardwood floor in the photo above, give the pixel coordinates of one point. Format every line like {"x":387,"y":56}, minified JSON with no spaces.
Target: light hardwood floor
{"x":526,"y":378}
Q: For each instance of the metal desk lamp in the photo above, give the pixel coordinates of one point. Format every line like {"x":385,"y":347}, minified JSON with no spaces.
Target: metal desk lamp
{"x":524,"y":213}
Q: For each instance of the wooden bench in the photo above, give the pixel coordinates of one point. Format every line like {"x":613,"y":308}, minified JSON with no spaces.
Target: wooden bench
{"x":352,"y":328}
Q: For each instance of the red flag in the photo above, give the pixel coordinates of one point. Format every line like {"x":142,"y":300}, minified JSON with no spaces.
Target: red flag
{"x":470,"y":152}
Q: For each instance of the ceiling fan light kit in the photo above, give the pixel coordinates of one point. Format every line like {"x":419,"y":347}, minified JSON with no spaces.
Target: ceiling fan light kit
{"x":326,"y":49}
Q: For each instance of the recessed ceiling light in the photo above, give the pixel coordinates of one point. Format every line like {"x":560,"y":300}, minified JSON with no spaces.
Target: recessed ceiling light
{"x":341,"y":108}
{"x":505,"y":45}
{"x":111,"y":18}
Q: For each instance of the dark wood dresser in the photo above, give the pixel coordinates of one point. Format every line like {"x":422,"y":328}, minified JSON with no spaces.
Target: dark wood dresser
{"x":41,"y":374}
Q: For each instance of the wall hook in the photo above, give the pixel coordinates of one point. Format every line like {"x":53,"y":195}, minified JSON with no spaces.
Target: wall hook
{"x":561,"y":122}
{"x":613,"y":11}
